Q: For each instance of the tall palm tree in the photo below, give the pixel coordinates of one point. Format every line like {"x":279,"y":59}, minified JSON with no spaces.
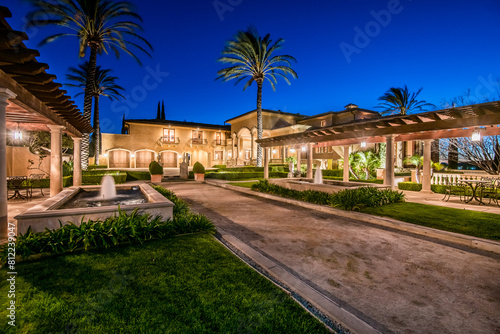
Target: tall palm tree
{"x":99,"y":25}
{"x":103,"y":85}
{"x":251,"y":57}
{"x":398,"y":100}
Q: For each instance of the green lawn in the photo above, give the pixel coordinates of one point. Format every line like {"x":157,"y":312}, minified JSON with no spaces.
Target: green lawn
{"x":243,"y":184}
{"x":473,"y":223}
{"x":188,"y":284}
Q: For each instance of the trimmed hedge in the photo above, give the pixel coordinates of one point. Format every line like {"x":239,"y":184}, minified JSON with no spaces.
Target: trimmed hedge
{"x":137,"y":175}
{"x":219,"y":166}
{"x":332,"y":172}
{"x":91,"y":167}
{"x":121,"y":177}
{"x":376,"y":181}
{"x":413,"y":186}
{"x":67,"y":182}
{"x":243,"y":175}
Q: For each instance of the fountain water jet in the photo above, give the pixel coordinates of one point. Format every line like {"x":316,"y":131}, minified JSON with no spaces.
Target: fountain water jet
{"x":108,"y":188}
{"x":318,"y":176}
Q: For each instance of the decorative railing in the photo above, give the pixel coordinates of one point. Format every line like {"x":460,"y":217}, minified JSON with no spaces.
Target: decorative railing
{"x":219,"y":143}
{"x":440,"y":178}
{"x":196,"y":141}
{"x":164,"y":141}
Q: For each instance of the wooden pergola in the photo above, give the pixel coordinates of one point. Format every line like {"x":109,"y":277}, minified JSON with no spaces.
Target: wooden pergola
{"x":427,"y":126}
{"x":30,"y":100}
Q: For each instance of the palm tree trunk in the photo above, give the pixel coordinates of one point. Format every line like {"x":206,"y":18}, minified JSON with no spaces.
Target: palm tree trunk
{"x":97,"y":130}
{"x":259,"y":122}
{"x":87,"y":103}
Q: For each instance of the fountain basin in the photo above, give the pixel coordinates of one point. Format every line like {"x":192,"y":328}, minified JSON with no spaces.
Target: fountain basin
{"x":50,"y":212}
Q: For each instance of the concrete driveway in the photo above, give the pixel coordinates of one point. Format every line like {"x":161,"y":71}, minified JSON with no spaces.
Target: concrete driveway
{"x":394,"y":281}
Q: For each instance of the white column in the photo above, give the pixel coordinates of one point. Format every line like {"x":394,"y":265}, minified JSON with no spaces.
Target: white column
{"x":299,"y":152}
{"x":77,"y":158}
{"x":266,"y":162}
{"x":309,"y":161}
{"x":389,"y":161}
{"x":5,"y":94}
{"x":426,"y":180}
{"x":56,"y":177}
{"x":346,"y":163}
{"x":283,"y":154}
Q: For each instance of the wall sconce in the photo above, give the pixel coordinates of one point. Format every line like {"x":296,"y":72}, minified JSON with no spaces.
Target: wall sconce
{"x":476,"y":135}
{"x":105,"y":154}
{"x":303,"y":148}
{"x":274,"y":151}
{"x":363,"y":144}
{"x":292,"y":150}
{"x":132,"y":155}
{"x":229,"y":154}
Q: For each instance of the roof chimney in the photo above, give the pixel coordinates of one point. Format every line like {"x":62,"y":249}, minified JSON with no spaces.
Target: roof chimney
{"x":350,"y":106}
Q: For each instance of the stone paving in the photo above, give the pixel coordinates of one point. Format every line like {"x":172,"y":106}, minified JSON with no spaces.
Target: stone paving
{"x":394,"y":281}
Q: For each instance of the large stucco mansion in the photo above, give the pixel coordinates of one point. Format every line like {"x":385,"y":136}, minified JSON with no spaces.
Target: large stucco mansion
{"x":144,"y":140}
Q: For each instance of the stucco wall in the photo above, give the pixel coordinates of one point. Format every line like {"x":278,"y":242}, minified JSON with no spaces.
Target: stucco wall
{"x":17,"y":162}
{"x":148,"y":136}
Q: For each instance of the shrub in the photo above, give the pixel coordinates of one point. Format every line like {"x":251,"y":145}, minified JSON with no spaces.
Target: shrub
{"x":91,"y":167}
{"x":349,"y":199}
{"x":155,"y":168}
{"x":356,"y":199}
{"x":67,"y":168}
{"x":119,"y":177}
{"x":198,"y":168}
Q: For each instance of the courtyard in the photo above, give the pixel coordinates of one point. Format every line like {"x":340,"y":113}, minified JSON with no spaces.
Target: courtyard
{"x":394,"y":281}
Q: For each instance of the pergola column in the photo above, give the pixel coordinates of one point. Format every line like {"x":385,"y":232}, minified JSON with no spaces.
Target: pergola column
{"x":389,"y":162}
{"x":283,"y":154}
{"x":77,"y":158}
{"x":309,"y":161}
{"x":426,"y":180}
{"x":56,"y":177}
{"x":5,"y":94}
{"x":299,"y":152}
{"x":251,"y":146}
{"x":346,"y":163}
{"x":266,"y":162}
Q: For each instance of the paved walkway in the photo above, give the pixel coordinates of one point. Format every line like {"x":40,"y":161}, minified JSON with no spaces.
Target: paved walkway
{"x":393,"y":281}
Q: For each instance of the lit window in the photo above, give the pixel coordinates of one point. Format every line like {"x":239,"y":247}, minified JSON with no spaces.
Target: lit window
{"x":323,"y":123}
{"x":169,"y":135}
{"x":219,"y":155}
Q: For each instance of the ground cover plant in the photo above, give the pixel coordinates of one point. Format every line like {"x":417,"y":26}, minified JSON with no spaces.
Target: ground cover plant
{"x":468,"y":222}
{"x":120,"y":229}
{"x":187,"y":284}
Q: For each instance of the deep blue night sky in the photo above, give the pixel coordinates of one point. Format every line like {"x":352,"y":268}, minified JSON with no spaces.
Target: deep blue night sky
{"x":445,"y":47}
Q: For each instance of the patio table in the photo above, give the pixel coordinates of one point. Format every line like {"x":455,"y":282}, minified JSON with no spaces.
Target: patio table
{"x":473,"y":184}
{"x":17,"y":183}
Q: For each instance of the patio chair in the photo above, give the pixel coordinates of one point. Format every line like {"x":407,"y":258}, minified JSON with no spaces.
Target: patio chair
{"x":35,"y":181}
{"x":490,"y":189}
{"x":456,"y":189}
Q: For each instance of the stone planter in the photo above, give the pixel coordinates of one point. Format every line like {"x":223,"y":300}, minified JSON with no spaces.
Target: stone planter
{"x":156,"y":178}
{"x":199,"y":177}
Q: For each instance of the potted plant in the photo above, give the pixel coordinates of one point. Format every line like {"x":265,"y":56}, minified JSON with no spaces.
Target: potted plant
{"x":199,"y":172}
{"x":156,"y":171}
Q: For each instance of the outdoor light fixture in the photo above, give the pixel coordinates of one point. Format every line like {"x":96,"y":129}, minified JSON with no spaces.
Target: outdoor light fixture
{"x":292,"y":150}
{"x":476,"y":135}
{"x":105,"y":154}
{"x":274,"y":151}
{"x":132,"y":155}
{"x":303,"y":148}
{"x":229,"y":154}
{"x":363,"y":144}
{"x":18,"y":135}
